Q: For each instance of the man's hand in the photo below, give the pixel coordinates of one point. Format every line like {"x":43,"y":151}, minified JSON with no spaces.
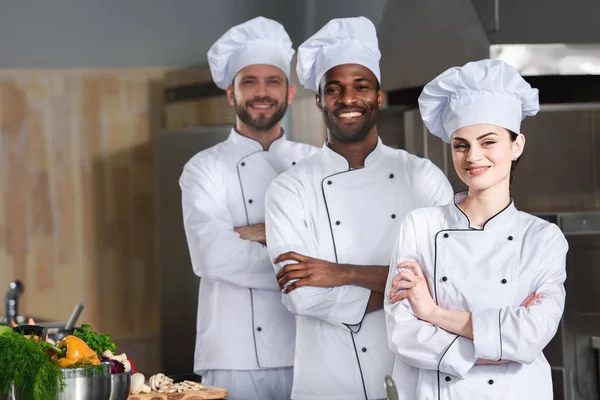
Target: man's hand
{"x":308,"y":271}
{"x":254,"y":233}
{"x":482,"y":361}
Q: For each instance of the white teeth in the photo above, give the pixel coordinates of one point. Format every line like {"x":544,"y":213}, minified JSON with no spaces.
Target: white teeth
{"x":261,"y":105}
{"x":350,"y":115}
{"x":477,"y":169}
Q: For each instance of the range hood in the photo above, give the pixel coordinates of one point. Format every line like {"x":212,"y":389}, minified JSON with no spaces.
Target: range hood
{"x":419,"y":39}
{"x":550,"y":59}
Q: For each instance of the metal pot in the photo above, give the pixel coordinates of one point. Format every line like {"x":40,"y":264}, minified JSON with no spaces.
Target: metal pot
{"x":81,"y":384}
{"x":120,"y":384}
{"x":86,"y":383}
{"x":12,"y":395}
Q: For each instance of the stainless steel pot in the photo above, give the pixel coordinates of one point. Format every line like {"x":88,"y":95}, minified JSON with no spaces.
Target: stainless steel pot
{"x":82,"y":384}
{"x":120,"y":384}
{"x":12,"y":395}
{"x":86,"y":383}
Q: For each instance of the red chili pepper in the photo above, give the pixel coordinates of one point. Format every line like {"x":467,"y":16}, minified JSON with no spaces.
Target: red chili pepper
{"x":133,"y":368}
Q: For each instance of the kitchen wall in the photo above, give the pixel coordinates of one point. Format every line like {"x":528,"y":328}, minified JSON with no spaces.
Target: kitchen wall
{"x":77,"y":198}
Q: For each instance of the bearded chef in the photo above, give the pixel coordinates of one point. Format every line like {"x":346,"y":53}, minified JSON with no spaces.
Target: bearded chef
{"x":331,"y":221}
{"x":245,"y":339}
{"x":476,"y":287}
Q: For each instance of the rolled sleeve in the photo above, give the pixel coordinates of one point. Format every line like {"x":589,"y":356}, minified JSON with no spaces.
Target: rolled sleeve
{"x":459,"y":358}
{"x":487,"y":333}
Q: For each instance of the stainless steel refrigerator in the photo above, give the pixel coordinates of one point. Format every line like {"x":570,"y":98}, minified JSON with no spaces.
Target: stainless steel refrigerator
{"x":178,"y":284}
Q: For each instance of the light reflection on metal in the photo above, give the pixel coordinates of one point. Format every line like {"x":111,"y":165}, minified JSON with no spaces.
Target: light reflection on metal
{"x":550,"y":59}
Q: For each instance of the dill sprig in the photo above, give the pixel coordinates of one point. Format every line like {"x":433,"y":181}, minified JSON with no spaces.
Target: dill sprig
{"x":90,"y":369}
{"x":25,"y":363}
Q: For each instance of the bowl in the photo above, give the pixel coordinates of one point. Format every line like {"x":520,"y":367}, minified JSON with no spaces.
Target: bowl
{"x":81,"y":384}
{"x":119,"y":384}
{"x":87,"y":383}
{"x":13,"y":394}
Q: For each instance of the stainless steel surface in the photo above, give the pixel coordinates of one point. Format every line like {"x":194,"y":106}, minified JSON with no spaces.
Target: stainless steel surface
{"x":73,"y":318}
{"x":179,"y":284}
{"x":496,"y":16}
{"x":83,"y":384}
{"x":419,"y":39}
{"x":119,"y":384}
{"x":12,"y":395}
{"x":550,"y":58}
{"x":15,"y":290}
{"x":390,"y":387}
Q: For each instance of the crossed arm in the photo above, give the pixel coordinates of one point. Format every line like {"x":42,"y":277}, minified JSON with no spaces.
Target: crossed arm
{"x":414,"y":287}
{"x":309,"y":271}
{"x":428,"y":336}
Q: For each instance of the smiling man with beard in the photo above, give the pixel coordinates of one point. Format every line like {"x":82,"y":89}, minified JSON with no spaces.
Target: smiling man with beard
{"x":332,"y":221}
{"x":245,"y":336}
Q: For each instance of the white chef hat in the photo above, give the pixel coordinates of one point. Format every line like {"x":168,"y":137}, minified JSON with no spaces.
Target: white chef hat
{"x":340,"y":41}
{"x":481,"y":92}
{"x":257,"y":41}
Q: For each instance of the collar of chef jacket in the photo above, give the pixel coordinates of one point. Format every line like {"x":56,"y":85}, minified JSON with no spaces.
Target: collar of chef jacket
{"x":504,"y":220}
{"x":340,"y":163}
{"x":253,"y":145}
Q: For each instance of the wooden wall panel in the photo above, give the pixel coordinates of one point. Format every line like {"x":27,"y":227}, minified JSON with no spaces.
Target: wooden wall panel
{"x":76,"y":199}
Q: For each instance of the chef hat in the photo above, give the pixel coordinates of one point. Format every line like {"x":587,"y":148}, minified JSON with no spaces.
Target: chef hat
{"x":340,"y":41}
{"x":258,"y":41}
{"x":481,"y":92}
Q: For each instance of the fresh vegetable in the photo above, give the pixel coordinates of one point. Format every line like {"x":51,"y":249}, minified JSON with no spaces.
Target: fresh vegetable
{"x":122,"y":358}
{"x":116,"y":367}
{"x":72,"y":350}
{"x":25,"y":364}
{"x":137,"y":384}
{"x":133,"y":368}
{"x":97,"y":342}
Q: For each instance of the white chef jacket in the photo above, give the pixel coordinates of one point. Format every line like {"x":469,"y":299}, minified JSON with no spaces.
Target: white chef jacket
{"x":488,"y":272}
{"x":326,"y":210}
{"x":241,"y":322}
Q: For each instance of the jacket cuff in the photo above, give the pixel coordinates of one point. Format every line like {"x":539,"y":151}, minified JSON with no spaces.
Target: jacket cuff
{"x":351,"y":304}
{"x":487,"y":333}
{"x":459,"y":358}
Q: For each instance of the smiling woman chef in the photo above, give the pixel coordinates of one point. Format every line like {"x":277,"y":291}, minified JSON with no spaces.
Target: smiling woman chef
{"x":475,"y":290}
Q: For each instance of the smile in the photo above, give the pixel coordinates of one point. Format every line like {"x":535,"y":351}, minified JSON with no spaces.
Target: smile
{"x":261,"y":106}
{"x":350,"y":115}
{"x":477,"y":170}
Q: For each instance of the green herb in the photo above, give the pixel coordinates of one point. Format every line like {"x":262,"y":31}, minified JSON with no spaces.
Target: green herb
{"x":97,"y":342}
{"x":25,"y":363}
{"x":91,"y":369}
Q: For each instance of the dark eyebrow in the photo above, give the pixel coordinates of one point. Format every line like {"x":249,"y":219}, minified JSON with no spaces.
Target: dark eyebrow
{"x":332,"y":83}
{"x":479,"y":138}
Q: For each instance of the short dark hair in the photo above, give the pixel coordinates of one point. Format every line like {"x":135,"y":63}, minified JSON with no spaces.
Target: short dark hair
{"x":515,"y":163}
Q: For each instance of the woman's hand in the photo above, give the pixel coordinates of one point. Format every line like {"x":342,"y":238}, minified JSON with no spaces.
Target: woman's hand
{"x":531,"y":300}
{"x":414,"y":287}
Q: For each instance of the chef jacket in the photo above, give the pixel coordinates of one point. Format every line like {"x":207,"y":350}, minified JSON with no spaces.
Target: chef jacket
{"x":324,"y":209}
{"x":488,"y":272}
{"x":241,"y":322}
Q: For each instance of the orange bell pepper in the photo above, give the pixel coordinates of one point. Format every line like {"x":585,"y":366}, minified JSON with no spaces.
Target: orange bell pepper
{"x":73,"y":350}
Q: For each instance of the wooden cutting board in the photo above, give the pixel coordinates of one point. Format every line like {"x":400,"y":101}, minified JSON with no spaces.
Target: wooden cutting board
{"x":211,"y":392}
